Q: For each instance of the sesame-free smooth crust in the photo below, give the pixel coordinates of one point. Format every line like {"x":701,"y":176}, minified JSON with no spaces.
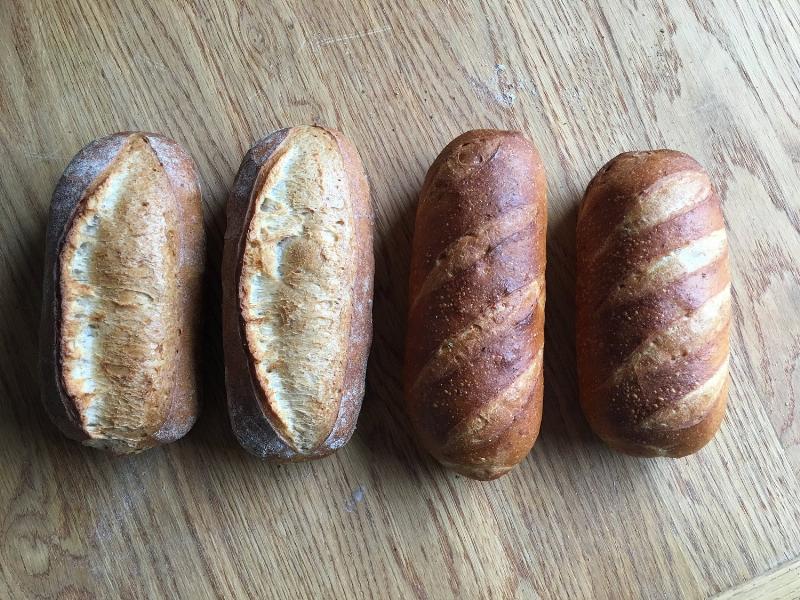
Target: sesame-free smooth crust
{"x":473,"y":366}
{"x":122,"y":292}
{"x":654,"y":304}
{"x":297,"y":272}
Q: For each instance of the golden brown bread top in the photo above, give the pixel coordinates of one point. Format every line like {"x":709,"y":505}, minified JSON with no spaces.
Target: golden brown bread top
{"x":125,"y":256}
{"x":653,"y":300}
{"x":118,"y":294}
{"x":295,"y":286}
{"x":297,"y":282}
{"x":474,"y":349}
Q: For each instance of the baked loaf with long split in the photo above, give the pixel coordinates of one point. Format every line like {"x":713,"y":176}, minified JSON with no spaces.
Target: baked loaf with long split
{"x":654,"y":304}
{"x":297,"y":294}
{"x":123,"y":268}
{"x":473,"y":365}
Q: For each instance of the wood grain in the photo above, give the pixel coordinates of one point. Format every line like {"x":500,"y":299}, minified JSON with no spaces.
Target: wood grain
{"x":585,"y":80}
{"x":780,"y":584}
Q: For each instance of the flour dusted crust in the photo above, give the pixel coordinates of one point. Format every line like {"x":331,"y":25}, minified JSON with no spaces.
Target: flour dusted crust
{"x":654,"y":304}
{"x":124,"y":259}
{"x":297,"y":285}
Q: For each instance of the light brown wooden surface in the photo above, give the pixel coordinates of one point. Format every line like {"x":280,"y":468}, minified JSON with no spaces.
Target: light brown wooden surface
{"x":585,"y":80}
{"x":780,"y":584}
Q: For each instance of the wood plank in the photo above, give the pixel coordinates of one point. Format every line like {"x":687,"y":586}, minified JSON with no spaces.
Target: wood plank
{"x":585,"y":80}
{"x":781,"y":584}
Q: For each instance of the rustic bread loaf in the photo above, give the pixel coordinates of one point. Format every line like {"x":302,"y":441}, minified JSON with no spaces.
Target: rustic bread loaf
{"x":473,"y":366}
{"x":654,"y":304}
{"x":124,"y":260}
{"x":297,"y":294}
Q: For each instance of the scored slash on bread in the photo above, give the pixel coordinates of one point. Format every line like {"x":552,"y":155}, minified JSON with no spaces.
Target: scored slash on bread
{"x":297,"y":294}
{"x":473,"y":365}
{"x":124,"y":258}
{"x":654,"y":304}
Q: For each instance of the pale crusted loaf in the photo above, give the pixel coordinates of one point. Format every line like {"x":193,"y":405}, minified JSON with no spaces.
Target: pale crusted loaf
{"x":297,"y":284}
{"x":124,"y":260}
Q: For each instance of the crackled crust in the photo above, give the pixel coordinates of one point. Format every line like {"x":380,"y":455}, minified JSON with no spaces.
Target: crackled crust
{"x":292,"y":245}
{"x":473,"y":365}
{"x":654,"y":304}
{"x":119,"y":321}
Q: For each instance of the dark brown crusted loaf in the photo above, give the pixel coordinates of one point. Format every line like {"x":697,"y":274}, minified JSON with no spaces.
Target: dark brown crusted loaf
{"x":473,"y":367}
{"x":123,"y":265}
{"x":654,"y":307}
{"x":297,"y":294}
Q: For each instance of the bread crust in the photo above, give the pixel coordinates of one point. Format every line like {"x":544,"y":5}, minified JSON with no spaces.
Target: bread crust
{"x":81,"y":178}
{"x":250,"y":417}
{"x":653,"y":304}
{"x":473,"y":367}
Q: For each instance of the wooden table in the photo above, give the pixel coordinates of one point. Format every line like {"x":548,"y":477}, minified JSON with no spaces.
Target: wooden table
{"x":586,"y":80}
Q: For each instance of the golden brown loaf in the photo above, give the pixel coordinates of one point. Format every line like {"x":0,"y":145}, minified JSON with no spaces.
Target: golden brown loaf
{"x":124,"y":260}
{"x":297,"y":294}
{"x":473,"y":367}
{"x":654,"y":304}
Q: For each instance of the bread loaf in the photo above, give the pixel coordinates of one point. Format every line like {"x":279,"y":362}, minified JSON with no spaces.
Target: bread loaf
{"x":473,"y":366}
{"x":124,"y":260}
{"x":297,"y":294}
{"x":654,"y":304}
